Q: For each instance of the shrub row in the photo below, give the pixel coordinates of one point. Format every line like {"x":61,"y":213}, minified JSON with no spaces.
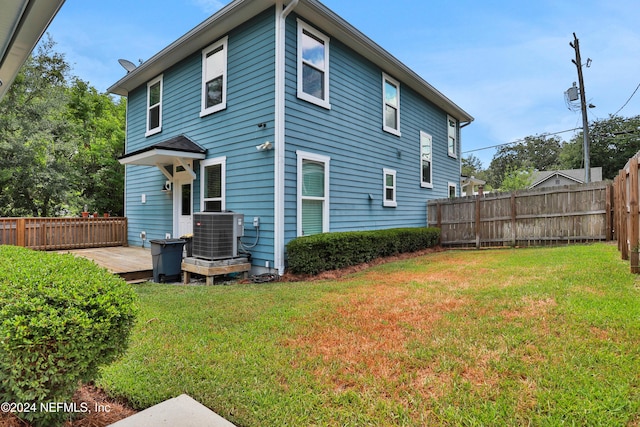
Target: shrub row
{"x":61,"y":318}
{"x":330,"y":251}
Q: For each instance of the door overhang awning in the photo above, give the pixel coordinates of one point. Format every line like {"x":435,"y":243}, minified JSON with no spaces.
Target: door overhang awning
{"x":179,"y":149}
{"x":165,"y":153}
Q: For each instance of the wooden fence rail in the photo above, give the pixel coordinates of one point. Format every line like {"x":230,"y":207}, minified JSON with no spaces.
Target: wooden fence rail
{"x":63,"y":233}
{"x":544,"y":216}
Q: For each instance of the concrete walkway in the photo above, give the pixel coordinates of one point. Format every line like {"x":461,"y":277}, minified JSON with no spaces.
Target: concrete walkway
{"x":180,"y":411}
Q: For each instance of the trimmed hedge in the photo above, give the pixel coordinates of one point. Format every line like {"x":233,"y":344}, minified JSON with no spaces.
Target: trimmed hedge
{"x":61,"y":318}
{"x":330,"y":251}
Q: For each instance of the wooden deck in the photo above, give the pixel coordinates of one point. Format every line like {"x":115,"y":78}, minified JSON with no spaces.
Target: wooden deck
{"x":131,"y":263}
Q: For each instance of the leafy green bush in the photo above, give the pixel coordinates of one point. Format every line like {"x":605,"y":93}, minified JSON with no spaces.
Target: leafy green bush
{"x":61,"y":318}
{"x":329,"y":251}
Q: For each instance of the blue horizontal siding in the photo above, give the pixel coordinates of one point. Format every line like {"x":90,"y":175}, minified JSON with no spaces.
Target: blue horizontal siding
{"x":351,"y":134}
{"x":232,"y":132}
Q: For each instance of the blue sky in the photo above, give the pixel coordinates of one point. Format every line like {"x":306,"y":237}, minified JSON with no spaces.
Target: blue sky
{"x":506,"y":62}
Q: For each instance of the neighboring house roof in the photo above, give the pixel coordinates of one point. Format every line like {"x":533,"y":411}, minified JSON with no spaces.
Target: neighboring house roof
{"x":239,"y":11}
{"x":576,"y":175}
{"x":165,"y":152}
{"x":22,"y":23}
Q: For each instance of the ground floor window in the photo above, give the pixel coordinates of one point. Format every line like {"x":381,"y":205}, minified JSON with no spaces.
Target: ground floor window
{"x":313,"y":193}
{"x":389,"y":186}
{"x":212,"y":184}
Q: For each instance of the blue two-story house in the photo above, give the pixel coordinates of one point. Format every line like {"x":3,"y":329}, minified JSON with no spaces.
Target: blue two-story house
{"x":290,"y":115}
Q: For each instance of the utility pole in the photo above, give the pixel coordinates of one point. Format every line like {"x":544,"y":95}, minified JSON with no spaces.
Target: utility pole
{"x":583,"y":106}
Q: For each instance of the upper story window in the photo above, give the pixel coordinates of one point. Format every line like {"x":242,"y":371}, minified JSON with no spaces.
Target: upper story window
{"x":154,"y":106}
{"x":313,"y":65}
{"x":452,"y":126}
{"x":391,"y":105}
{"x":214,"y":78}
{"x":426,"y":160}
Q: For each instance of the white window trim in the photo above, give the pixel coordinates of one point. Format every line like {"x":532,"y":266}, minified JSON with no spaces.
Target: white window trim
{"x":387,"y":78}
{"x":389,"y":203}
{"x":223,"y":172}
{"x":423,"y":183}
{"x":451,"y":185}
{"x":453,"y":153}
{"x":204,"y":111}
{"x":302,"y":156}
{"x":159,"y":79}
{"x":324,"y":103}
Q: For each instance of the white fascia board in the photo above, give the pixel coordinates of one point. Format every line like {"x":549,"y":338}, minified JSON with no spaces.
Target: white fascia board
{"x":159,"y":156}
{"x":24,"y":29}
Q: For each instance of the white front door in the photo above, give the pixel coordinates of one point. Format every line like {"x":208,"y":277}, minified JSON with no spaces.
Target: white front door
{"x":184,"y":201}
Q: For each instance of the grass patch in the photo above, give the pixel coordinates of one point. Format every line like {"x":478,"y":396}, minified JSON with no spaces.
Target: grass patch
{"x":502,"y":337}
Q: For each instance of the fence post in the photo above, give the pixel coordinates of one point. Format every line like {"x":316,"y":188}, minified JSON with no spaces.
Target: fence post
{"x":21,"y":231}
{"x":625,"y":216}
{"x":513,"y":218}
{"x":608,"y":217}
{"x":633,"y":214}
{"x":477,"y":222}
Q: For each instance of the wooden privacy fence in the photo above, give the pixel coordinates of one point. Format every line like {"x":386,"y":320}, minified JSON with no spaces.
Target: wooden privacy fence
{"x":543,"y":216}
{"x":63,"y":233}
{"x":626,"y":213}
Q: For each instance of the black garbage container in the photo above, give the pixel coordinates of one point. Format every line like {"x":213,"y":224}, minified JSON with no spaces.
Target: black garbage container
{"x":167,"y":259}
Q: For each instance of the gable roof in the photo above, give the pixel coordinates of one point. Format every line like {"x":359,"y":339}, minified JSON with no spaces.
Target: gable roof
{"x":22,"y":23}
{"x":576,"y":175}
{"x":314,"y":12}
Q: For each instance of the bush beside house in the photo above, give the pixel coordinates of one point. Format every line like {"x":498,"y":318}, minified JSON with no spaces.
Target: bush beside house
{"x":330,"y":251}
{"x":61,"y":318}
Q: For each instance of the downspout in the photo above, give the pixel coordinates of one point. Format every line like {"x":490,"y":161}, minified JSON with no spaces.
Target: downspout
{"x":279,"y":134}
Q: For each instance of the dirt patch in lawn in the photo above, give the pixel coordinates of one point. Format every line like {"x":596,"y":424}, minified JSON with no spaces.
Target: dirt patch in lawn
{"x":109,"y":410}
{"x":369,"y":334}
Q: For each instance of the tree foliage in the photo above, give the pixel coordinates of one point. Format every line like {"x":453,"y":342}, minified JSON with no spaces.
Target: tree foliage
{"x":535,"y":152}
{"x":59,"y":142}
{"x":612,"y":142}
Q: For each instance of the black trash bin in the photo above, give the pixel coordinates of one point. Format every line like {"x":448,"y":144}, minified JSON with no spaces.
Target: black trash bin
{"x":167,"y":259}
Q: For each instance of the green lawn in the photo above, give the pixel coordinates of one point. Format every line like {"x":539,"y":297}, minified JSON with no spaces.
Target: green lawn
{"x":543,"y":336}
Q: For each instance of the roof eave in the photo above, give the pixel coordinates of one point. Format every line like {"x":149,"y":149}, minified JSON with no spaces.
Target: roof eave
{"x":238,"y":11}
{"x":217,"y":25}
{"x":28,"y":30}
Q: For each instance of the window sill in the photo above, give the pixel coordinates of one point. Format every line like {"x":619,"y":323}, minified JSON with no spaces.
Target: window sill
{"x":312,"y":99}
{"x":388,"y":204}
{"x":426,"y":185}
{"x":153,"y":131}
{"x":393,"y":131}
{"x":211,"y":110}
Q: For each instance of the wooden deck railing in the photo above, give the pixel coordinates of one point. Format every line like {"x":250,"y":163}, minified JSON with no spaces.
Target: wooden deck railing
{"x":63,"y":233}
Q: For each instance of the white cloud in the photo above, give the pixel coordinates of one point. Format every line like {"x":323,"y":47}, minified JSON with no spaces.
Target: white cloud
{"x":210,"y":6}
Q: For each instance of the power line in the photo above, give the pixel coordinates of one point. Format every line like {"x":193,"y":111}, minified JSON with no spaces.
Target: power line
{"x":544,"y":135}
{"x":625,"y":104}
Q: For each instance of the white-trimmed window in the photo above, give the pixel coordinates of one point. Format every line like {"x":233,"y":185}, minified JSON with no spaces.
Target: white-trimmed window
{"x":214,"y":78}
{"x":390,"y":188}
{"x":313,"y":65}
{"x":453,"y":190}
{"x":154,"y":106}
{"x":313,"y":193}
{"x":391,"y":105}
{"x":426,"y":160}
{"x":212,"y":184}
{"x":452,"y":132}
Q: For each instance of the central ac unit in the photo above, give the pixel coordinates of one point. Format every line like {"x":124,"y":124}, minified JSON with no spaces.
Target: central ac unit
{"x":216,"y":235}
